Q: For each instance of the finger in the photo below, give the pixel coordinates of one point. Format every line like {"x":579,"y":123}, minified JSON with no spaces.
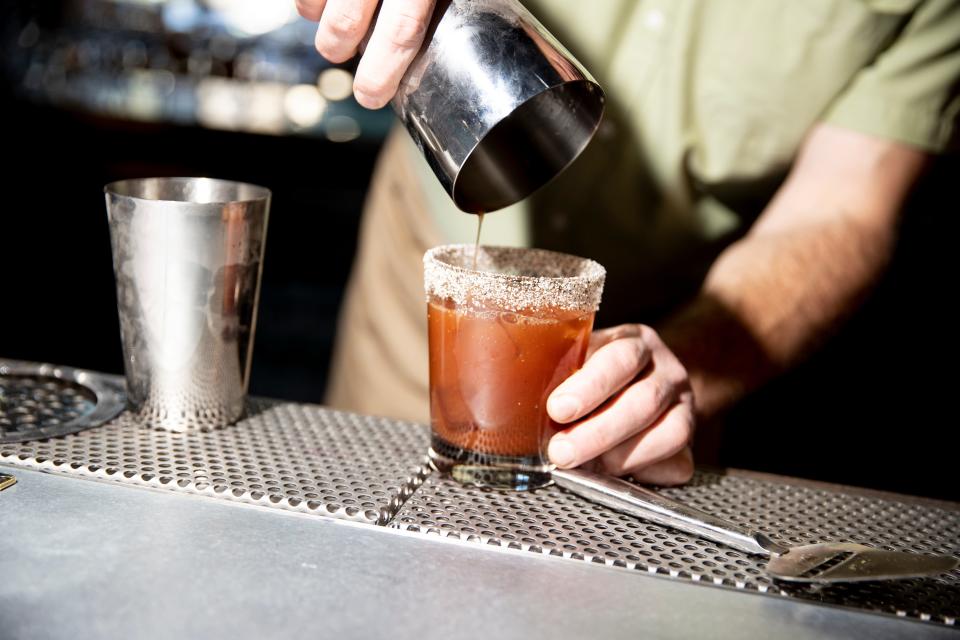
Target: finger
{"x":610,"y":369}
{"x":342,"y":27}
{"x":671,"y":433}
{"x":628,"y":412}
{"x":401,"y":27}
{"x":601,"y":337}
{"x":311,"y":9}
{"x":677,"y":469}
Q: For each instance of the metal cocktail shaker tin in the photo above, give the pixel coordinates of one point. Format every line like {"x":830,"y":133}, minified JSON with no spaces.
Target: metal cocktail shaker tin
{"x":495,"y":103}
{"x":187,"y":255}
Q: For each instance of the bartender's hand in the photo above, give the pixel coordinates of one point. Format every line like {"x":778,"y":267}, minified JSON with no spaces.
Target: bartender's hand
{"x":630,"y":407}
{"x":396,"y":38}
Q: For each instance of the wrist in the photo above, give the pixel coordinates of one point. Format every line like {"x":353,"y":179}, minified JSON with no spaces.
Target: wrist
{"x":724,"y":360}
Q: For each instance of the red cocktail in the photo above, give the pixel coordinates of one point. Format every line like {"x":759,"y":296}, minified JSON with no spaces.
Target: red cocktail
{"x":502,"y":337}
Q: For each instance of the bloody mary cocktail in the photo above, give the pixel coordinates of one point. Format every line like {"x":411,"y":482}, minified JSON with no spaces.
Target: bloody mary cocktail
{"x":502,"y":337}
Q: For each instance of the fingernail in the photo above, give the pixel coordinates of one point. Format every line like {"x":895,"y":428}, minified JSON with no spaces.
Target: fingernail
{"x":362,"y":97}
{"x":563,"y":407}
{"x":561,"y":452}
{"x":366,"y":100}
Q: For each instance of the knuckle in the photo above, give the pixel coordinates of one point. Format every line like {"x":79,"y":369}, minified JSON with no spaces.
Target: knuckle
{"x":647,"y":332}
{"x":637,"y":352}
{"x":627,"y":354}
{"x":625,"y":331}
{"x":406,"y":31}
{"x":346,"y":25}
{"x":656,"y":393}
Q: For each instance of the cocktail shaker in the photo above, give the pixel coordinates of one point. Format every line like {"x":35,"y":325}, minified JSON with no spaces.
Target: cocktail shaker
{"x":495,"y":103}
{"x":187,"y":255}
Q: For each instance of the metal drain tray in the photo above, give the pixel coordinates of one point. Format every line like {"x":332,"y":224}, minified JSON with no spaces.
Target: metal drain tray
{"x":44,"y":400}
{"x":316,"y":461}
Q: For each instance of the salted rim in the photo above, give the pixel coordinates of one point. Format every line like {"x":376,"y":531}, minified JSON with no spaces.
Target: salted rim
{"x":512,"y":278}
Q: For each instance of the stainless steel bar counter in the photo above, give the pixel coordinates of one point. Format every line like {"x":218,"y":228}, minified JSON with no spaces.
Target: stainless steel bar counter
{"x":299,"y":520}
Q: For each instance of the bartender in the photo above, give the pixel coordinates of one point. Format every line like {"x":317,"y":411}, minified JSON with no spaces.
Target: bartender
{"x":744,"y":193}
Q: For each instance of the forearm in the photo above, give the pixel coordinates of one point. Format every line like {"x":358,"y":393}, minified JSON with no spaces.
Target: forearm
{"x":815,"y":252}
{"x":769,"y":301}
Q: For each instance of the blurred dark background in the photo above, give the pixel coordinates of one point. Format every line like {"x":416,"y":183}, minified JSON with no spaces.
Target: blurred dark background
{"x":875,"y":407}
{"x":94,"y":91}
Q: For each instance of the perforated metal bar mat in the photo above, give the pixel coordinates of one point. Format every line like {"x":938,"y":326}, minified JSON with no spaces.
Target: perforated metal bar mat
{"x":285,"y":455}
{"x":556,"y":523}
{"x":328,"y":463}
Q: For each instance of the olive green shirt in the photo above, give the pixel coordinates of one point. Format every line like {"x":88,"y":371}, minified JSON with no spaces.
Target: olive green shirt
{"x":708,"y":103}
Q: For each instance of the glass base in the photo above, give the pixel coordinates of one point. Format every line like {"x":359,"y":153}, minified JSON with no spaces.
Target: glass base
{"x":519,"y":473}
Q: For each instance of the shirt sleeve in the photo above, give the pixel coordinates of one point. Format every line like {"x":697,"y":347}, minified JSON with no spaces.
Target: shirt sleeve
{"x":911,"y":92}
